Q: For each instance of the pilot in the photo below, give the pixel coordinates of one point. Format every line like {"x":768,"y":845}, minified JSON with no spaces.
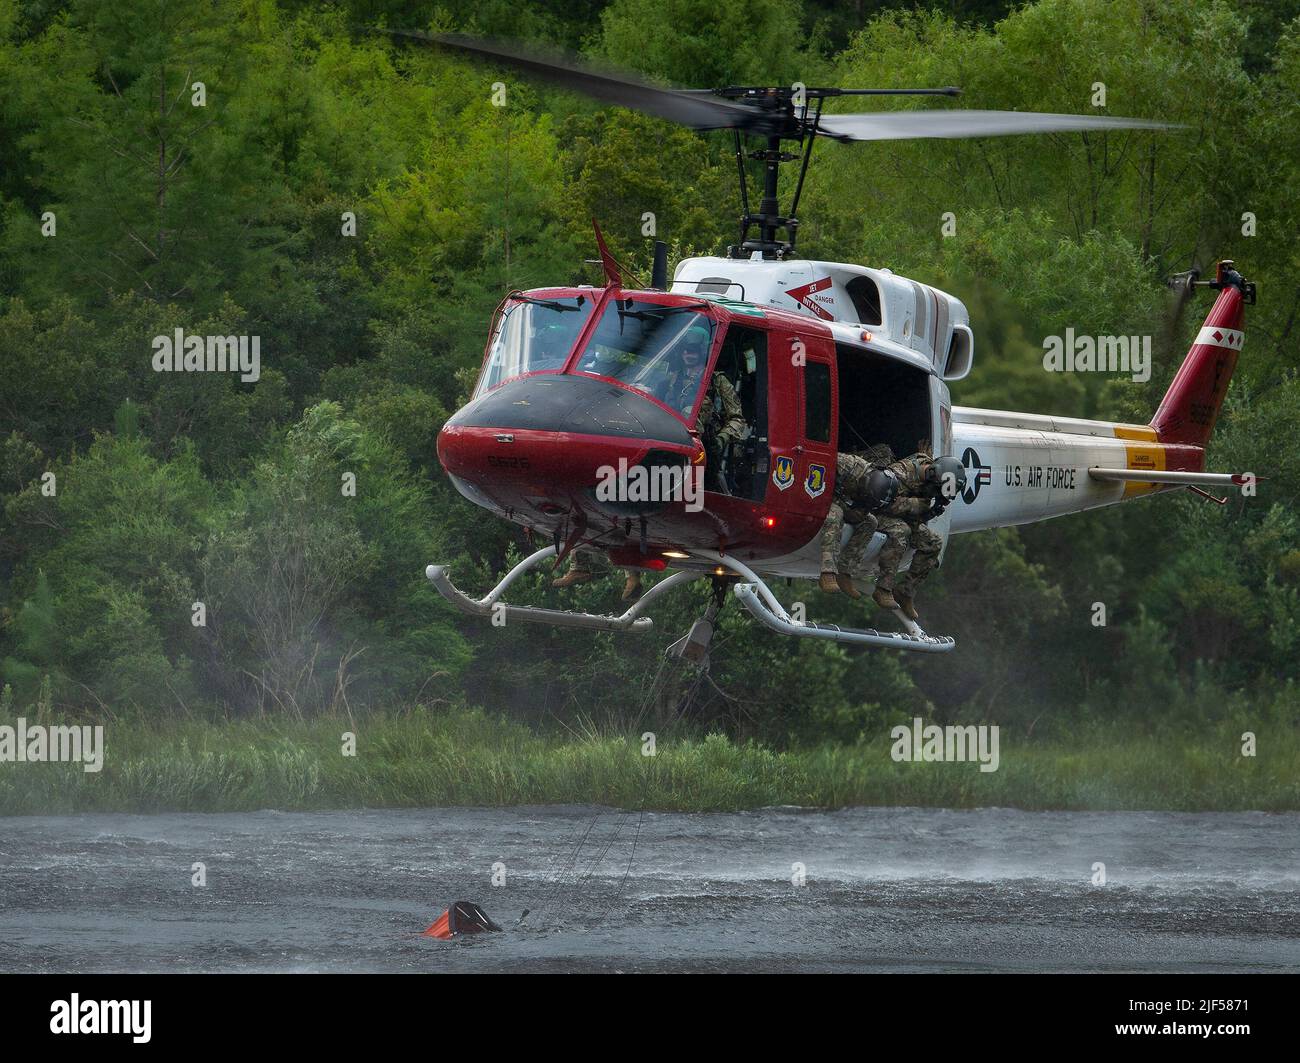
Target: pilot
{"x":925,"y":487}
{"x":721,"y":420}
{"x":550,"y":346}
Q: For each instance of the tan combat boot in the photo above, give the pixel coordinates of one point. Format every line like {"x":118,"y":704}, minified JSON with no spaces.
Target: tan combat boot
{"x":572,"y":578}
{"x":905,"y":603}
{"x":827,"y":583}
{"x":885,"y":599}
{"x":632,"y":588}
{"x":845,"y":582}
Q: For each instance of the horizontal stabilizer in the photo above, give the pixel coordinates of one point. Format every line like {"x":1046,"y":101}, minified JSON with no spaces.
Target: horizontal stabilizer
{"x":1179,"y":479}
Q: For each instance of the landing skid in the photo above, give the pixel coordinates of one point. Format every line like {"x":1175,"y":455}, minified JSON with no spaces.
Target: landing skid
{"x":754,"y":594}
{"x":490,"y":605}
{"x":762,"y":603}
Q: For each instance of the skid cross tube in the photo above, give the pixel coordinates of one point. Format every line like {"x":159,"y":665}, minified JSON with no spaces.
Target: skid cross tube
{"x":490,"y":604}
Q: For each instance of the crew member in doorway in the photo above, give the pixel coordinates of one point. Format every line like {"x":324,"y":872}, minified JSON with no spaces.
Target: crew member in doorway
{"x":857,"y":494}
{"x":925,"y":487}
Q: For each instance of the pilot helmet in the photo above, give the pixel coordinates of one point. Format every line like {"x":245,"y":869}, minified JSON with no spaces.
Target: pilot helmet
{"x":696,"y":339}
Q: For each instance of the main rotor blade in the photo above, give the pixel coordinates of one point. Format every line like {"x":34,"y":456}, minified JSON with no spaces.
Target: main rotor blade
{"x":701,"y":109}
{"x":689,"y":109}
{"x":904,"y":125}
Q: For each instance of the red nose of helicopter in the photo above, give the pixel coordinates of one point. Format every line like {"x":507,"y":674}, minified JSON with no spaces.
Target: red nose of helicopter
{"x":535,"y":448}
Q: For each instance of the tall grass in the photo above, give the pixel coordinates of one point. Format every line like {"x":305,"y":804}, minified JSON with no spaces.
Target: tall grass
{"x":468,"y":757}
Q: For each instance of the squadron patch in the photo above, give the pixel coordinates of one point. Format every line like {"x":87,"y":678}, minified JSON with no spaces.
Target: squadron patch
{"x":816,"y":482}
{"x":783,"y":472}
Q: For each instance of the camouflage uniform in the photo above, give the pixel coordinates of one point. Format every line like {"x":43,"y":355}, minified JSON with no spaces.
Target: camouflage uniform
{"x":903,"y":522}
{"x":851,"y":472}
{"x":721,"y":419}
{"x":588,"y":559}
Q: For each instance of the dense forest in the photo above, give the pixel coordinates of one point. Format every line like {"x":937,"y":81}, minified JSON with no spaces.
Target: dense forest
{"x":179,"y":543}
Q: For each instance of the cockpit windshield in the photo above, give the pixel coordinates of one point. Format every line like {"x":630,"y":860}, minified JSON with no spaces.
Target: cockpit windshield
{"x":534,"y":333}
{"x":660,"y":350}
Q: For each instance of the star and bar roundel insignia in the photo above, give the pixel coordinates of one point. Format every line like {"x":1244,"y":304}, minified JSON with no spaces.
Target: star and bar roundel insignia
{"x":977,"y":475}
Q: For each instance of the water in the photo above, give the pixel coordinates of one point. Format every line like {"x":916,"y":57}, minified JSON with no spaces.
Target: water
{"x":886,"y":889}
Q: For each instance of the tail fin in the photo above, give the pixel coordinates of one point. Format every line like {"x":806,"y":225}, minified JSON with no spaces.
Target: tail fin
{"x":1191,"y":405}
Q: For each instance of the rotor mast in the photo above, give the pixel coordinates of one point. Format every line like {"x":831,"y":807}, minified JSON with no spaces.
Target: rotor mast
{"x":790,"y":118}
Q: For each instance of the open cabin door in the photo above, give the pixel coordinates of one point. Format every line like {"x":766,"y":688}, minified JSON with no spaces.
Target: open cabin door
{"x":883,"y":401}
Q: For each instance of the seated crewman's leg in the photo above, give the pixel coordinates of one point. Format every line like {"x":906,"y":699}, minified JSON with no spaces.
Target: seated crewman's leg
{"x":632,"y":585}
{"x":714,"y":448}
{"x":864,"y":527}
{"x":583,"y":565}
{"x":831,"y":547}
{"x":925,"y":560}
{"x":897,"y":534}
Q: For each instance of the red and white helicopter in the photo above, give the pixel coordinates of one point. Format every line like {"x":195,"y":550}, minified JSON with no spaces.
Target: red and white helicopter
{"x":822,"y":355}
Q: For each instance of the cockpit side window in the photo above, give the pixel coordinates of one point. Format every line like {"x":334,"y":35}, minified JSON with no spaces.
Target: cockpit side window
{"x":534,"y":334}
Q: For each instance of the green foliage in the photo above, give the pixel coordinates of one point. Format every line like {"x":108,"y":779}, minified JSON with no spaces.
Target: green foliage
{"x":702,"y":44}
{"x":454,"y":756}
{"x":106,"y":582}
{"x":308,"y":572}
{"x":622,"y":166}
{"x":37,"y":646}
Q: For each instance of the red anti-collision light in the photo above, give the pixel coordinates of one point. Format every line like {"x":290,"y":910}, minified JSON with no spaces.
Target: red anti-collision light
{"x":768,"y":522}
{"x":631,"y":557}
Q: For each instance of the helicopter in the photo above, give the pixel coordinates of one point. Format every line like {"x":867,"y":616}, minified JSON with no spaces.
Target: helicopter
{"x":821,"y":356}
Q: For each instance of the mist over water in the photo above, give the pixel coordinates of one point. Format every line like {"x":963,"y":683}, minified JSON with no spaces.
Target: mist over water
{"x":885,"y":889}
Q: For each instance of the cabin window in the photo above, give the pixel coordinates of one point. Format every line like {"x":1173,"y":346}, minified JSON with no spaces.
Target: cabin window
{"x":657,"y":349}
{"x":533,"y":335}
{"x":817,"y":402}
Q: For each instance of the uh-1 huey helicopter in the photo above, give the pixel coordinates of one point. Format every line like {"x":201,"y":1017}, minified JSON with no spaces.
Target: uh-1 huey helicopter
{"x":817,"y":352}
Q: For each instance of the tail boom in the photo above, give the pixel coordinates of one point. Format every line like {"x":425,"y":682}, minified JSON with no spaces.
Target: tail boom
{"x":1027,"y":467}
